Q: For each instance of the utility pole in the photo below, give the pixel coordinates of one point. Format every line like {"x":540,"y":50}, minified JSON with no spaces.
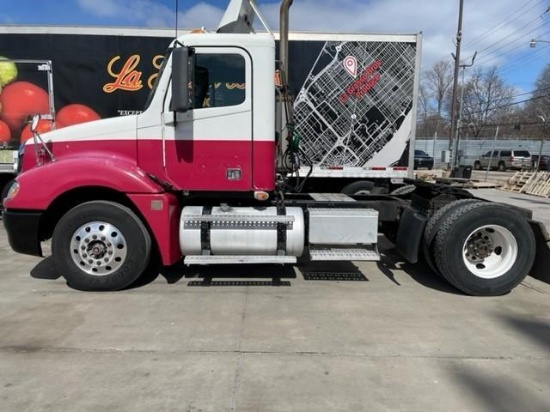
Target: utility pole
{"x":458,"y":134}
{"x":455,"y":82}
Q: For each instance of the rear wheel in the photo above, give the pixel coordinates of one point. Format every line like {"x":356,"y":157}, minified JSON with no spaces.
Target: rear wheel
{"x":403,"y":190}
{"x":433,"y":226}
{"x":100,"y":246}
{"x":501,"y":167}
{"x":484,"y":249}
{"x":363,"y":187}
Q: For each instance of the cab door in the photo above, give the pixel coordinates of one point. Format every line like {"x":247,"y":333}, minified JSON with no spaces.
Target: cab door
{"x":209,"y":147}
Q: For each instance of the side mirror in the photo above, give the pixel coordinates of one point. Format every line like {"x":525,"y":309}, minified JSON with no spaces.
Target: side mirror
{"x":34,"y":122}
{"x":181,"y":77}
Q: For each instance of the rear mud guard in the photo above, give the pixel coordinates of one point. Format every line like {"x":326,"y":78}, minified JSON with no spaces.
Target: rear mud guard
{"x":409,"y":234}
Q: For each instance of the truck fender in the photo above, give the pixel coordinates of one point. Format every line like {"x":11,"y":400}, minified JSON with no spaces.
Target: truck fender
{"x":40,"y":186}
{"x":409,"y":234}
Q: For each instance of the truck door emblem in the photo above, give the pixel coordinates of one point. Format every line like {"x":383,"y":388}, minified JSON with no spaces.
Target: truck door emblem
{"x":350,"y":64}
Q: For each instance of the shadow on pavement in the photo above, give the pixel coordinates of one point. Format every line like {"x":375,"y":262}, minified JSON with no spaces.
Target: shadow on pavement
{"x":234,"y":275}
{"x":495,"y":391}
{"x":420,"y":272}
{"x":538,"y":331}
{"x":492,"y":392}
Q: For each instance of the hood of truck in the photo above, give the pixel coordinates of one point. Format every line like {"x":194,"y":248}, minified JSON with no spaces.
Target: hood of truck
{"x":107,"y":138}
{"x":115,"y":128}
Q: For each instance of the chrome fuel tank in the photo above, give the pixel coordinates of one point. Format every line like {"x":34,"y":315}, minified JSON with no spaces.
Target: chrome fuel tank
{"x":225,"y":230}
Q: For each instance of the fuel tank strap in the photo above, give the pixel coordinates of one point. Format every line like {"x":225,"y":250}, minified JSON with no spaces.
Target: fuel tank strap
{"x":205,"y":231}
{"x":281,"y":231}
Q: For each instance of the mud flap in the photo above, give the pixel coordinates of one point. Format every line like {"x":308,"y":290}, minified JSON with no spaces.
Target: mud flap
{"x":409,"y":234}
{"x":542,"y":258}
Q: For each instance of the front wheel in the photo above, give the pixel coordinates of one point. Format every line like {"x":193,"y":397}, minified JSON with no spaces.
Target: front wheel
{"x":100,"y":246}
{"x":484,"y":249}
{"x":477,"y":165}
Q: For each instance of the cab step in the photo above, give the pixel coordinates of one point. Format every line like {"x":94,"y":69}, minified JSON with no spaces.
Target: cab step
{"x":337,"y":254}
{"x":237,"y":260}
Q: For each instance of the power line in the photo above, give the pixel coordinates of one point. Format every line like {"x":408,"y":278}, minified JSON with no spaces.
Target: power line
{"x":519,"y":39}
{"x":505,"y":21}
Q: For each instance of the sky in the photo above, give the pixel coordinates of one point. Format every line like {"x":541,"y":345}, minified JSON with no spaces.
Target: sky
{"x":500,"y":31}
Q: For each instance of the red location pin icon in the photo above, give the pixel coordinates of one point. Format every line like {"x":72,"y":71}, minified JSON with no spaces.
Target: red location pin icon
{"x":350,"y":64}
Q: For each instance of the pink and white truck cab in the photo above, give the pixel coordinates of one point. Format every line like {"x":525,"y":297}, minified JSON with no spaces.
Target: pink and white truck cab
{"x":202,"y":175}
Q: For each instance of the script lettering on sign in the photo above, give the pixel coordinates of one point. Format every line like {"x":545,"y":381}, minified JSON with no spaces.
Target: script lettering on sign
{"x":127,"y":78}
{"x":157,"y":62}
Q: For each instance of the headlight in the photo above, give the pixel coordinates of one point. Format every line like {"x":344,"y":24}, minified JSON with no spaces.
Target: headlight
{"x":14,"y":190}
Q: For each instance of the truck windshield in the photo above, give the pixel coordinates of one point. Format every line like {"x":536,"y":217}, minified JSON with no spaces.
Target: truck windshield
{"x":161,"y":70}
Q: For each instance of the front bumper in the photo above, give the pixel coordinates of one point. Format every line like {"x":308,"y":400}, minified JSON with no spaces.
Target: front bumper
{"x":22,"y":229}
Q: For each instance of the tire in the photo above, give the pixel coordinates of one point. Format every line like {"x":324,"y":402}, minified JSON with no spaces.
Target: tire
{"x":484,"y":249}
{"x":477,"y":165}
{"x":121,"y":243}
{"x":433,"y":226}
{"x":501,"y":167}
{"x":403,"y":190}
{"x":362,"y":187}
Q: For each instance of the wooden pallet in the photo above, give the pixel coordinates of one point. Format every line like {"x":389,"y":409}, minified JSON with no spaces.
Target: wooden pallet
{"x":518,"y":181}
{"x":531,"y":183}
{"x":540,"y":187}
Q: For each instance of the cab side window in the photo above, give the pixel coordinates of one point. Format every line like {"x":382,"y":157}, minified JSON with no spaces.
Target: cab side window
{"x":219,"y":80}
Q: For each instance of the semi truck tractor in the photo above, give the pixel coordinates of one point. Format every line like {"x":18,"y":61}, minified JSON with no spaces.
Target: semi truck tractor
{"x":207,"y":174}
{"x":110,"y":71}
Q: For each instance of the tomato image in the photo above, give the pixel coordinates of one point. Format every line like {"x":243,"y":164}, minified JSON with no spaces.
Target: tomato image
{"x":5,"y":133}
{"x":21,"y":100}
{"x":75,"y":114}
{"x":42,"y":127}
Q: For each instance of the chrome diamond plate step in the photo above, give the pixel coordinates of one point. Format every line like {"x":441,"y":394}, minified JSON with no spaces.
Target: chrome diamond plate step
{"x":237,"y":260}
{"x":343,"y":254}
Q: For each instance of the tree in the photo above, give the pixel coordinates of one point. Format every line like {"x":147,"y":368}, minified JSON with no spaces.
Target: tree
{"x":487,"y":99}
{"x":438,"y":82}
{"x":434,"y":87}
{"x":537,"y":110}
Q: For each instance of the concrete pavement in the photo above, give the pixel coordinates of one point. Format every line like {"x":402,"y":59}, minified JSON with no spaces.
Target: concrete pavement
{"x":377,"y":337}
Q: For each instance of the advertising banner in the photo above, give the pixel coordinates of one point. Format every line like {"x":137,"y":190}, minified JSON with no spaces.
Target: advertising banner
{"x":353,"y":97}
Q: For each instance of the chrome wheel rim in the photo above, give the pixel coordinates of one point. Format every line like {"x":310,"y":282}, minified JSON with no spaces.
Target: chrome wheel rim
{"x":490,"y":251}
{"x":98,"y":248}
